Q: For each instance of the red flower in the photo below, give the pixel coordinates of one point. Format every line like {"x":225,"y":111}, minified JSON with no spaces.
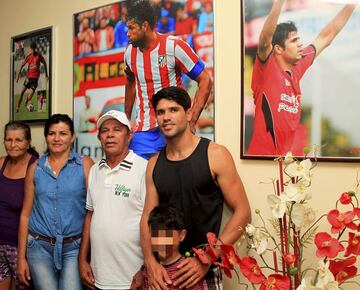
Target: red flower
{"x":339,"y":220}
{"x":343,"y":269}
{"x":345,"y":198}
{"x":212,"y":239}
{"x":211,"y":253}
{"x":327,"y":246}
{"x":202,"y":256}
{"x":229,"y":256}
{"x":251,"y":270}
{"x":275,"y":282}
{"x":353,"y":245}
{"x":289,"y":259}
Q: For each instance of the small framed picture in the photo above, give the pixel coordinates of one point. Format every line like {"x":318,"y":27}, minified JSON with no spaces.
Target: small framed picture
{"x":31,"y":66}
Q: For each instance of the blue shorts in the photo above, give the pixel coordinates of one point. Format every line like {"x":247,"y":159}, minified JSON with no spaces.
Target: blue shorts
{"x":147,"y":143}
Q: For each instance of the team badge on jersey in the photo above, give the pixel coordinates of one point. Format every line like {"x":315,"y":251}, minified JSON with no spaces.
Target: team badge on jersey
{"x":287,"y":83}
{"x":162,"y":60}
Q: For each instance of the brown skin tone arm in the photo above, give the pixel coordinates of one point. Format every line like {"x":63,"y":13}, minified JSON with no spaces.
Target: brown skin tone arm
{"x":22,"y":267}
{"x":85,"y":270}
{"x":201,"y":97}
{"x":130,"y":94}
{"x":268,"y":30}
{"x":329,"y":32}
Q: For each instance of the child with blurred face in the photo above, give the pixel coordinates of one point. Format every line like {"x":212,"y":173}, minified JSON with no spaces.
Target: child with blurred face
{"x":167,"y":231}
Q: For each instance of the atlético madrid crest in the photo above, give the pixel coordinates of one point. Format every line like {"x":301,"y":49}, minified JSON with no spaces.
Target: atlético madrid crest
{"x":162,"y":60}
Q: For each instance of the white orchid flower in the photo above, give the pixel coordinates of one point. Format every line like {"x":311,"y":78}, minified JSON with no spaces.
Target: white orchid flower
{"x":300,"y":169}
{"x":260,"y":241}
{"x":325,"y":276}
{"x":261,"y":248}
{"x":309,"y":217}
{"x":288,"y":158}
{"x":277,"y":205}
{"x":250,"y":230}
{"x":295,"y":192}
{"x":298,"y":214}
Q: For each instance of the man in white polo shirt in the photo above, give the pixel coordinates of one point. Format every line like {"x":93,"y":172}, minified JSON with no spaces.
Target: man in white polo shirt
{"x":115,"y":200}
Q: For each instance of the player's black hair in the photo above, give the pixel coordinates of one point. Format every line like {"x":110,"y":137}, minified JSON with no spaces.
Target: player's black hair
{"x":282,"y":32}
{"x":175,"y":94}
{"x":166,"y":217}
{"x":56,"y":119}
{"x":141,"y":11}
{"x":18,"y":125}
{"x":33,"y":45}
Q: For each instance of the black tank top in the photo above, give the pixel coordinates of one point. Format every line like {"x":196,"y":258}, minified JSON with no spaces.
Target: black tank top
{"x":188,"y":185}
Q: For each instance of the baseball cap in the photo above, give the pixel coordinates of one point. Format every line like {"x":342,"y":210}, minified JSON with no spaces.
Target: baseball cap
{"x":113,"y":114}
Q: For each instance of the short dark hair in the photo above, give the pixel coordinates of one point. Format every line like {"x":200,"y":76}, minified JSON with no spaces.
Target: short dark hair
{"x":56,"y":119}
{"x":282,"y":32}
{"x":18,"y":125}
{"x":141,"y":11}
{"x":175,"y":94}
{"x":33,"y":45}
{"x":166,"y":217}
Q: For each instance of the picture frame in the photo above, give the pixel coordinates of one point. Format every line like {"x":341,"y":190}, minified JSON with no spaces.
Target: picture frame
{"x":31,"y":76}
{"x":99,"y":76}
{"x":329,"y":123}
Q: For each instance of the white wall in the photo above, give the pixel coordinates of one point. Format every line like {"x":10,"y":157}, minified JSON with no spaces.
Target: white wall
{"x":20,"y":16}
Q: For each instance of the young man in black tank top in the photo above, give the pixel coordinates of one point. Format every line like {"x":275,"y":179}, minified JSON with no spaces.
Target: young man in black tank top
{"x":196,"y":176}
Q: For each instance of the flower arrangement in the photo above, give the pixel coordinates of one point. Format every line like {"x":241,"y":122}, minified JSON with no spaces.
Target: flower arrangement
{"x":294,"y":224}
{"x":294,"y":227}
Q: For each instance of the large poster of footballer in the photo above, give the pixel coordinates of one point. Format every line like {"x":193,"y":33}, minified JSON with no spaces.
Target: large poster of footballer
{"x":300,"y":90}
{"x":31,"y":66}
{"x":100,"y":46}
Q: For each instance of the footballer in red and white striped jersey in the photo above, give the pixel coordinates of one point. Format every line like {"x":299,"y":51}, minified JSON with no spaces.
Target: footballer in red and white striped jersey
{"x":156,"y":68}
{"x":33,"y":60}
{"x":277,"y":100}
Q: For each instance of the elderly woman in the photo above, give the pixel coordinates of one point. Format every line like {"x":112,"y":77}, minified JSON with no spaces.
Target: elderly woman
{"x":13,"y":167}
{"x":53,"y":211}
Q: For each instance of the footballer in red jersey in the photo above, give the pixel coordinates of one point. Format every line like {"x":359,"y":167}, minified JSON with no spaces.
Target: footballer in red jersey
{"x":33,"y":60}
{"x":280,"y":63}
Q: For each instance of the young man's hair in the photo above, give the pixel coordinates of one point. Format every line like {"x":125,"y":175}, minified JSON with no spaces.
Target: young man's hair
{"x":282,"y":32}
{"x":141,"y":11}
{"x":175,"y":94}
{"x":166,"y":217}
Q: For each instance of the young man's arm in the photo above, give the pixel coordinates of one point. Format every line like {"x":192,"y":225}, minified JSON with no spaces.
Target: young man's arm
{"x":158,"y":277}
{"x":224,"y":171}
{"x":85,"y":270}
{"x":18,"y":75}
{"x":329,"y":32}
{"x":267,"y":32}
{"x":201,"y":97}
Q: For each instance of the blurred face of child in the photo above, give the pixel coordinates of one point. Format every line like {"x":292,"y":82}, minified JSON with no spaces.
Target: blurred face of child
{"x":165,"y":243}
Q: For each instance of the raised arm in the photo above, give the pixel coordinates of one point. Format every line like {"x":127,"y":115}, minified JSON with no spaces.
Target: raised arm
{"x":157,"y":274}
{"x":267,"y":32}
{"x":328,"y":33}
{"x":201,"y":97}
{"x":22,"y":267}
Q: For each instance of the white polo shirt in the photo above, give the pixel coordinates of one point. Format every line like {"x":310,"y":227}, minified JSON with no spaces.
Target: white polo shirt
{"x":116,"y":197}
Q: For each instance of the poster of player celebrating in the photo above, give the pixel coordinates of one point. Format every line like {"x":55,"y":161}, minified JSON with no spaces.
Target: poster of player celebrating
{"x":31,"y":76}
{"x":300,"y":88}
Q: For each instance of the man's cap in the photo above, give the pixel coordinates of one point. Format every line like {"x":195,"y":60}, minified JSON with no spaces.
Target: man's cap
{"x":114,"y":114}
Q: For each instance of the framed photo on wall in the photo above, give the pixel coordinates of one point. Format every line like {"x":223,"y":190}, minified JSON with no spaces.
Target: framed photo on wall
{"x":100,"y":39}
{"x":307,"y":98}
{"x":31,"y":55}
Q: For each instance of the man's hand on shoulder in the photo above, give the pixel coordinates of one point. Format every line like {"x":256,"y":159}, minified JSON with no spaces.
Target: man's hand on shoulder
{"x":157,"y":276}
{"x":191,"y":271}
